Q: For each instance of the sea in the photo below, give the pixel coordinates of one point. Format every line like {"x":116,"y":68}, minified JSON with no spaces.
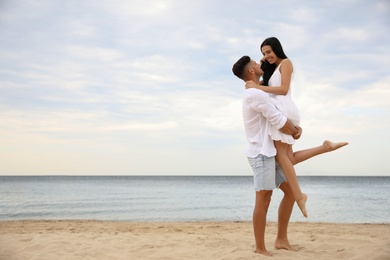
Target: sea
{"x":186,"y":198}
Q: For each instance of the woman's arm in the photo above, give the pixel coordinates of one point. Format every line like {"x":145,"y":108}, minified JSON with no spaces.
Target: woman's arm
{"x":286,"y":70}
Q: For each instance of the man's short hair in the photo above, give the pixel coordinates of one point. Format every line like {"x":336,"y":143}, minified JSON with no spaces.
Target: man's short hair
{"x":239,"y":67}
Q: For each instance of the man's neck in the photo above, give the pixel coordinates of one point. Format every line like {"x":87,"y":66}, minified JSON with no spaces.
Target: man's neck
{"x":254,"y":79}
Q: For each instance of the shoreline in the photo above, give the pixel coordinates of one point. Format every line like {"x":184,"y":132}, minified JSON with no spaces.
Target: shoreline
{"x":96,"y":239}
{"x":5,"y":222}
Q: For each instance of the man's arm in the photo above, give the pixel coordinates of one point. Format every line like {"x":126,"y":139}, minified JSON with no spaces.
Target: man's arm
{"x":290,"y":129}
{"x":264,"y":104}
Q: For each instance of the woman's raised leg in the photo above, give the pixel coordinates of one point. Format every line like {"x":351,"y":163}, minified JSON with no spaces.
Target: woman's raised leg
{"x":303,"y":155}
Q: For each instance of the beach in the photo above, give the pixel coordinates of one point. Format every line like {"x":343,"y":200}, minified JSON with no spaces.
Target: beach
{"x":88,"y":239}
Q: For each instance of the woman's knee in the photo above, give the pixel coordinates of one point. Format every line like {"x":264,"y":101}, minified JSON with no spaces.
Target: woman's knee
{"x":285,"y":187}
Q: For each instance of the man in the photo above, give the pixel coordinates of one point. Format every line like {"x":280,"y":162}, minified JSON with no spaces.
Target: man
{"x":259,"y":110}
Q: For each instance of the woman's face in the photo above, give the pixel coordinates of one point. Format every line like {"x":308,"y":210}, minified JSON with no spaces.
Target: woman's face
{"x":269,"y":54}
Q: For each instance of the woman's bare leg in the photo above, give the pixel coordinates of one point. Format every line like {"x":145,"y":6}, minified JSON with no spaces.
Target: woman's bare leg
{"x":284,"y":214}
{"x":289,"y":171}
{"x":303,"y":155}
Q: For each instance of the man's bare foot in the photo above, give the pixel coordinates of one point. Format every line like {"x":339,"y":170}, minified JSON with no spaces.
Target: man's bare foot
{"x":263,"y":252}
{"x":330,"y":146}
{"x":282,"y":244}
{"x":302,"y":204}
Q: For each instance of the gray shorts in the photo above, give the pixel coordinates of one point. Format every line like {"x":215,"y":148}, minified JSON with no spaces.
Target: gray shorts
{"x":267,"y":174}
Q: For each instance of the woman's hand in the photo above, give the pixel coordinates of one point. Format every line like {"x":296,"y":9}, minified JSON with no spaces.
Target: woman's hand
{"x":262,"y":60}
{"x":251,"y":84}
{"x":297,"y":135}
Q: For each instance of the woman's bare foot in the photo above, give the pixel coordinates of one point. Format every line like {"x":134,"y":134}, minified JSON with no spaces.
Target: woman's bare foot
{"x":263,"y":252}
{"x":330,"y":146}
{"x":302,"y":204}
{"x":282,"y":244}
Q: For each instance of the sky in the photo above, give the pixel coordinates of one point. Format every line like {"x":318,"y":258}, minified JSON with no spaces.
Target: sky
{"x":131,"y":87}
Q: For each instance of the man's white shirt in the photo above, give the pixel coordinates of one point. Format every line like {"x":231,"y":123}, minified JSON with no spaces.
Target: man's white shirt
{"x":258,"y":111}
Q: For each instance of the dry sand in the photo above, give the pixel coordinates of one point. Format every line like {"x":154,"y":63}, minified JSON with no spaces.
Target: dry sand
{"x":220,"y":240}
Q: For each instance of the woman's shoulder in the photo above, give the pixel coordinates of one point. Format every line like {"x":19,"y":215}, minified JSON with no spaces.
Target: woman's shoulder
{"x":286,"y":64}
{"x":286,"y":61}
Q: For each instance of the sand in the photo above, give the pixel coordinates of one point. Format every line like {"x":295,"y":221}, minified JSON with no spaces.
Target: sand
{"x":220,"y":240}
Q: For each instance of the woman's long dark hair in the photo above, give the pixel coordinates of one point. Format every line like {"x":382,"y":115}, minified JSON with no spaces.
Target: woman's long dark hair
{"x":268,"y":68}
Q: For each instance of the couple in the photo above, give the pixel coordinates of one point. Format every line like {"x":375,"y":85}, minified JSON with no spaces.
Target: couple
{"x":271,"y":121}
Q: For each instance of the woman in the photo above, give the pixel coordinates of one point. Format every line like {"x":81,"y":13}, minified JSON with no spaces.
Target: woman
{"x":278,"y":72}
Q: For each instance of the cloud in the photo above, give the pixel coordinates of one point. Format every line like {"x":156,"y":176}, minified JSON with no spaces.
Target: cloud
{"x":305,"y":15}
{"x":104,"y":86}
{"x":348,"y":35}
{"x":92,"y":53}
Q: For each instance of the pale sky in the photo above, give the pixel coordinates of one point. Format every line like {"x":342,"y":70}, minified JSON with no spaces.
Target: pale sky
{"x":138,"y":87}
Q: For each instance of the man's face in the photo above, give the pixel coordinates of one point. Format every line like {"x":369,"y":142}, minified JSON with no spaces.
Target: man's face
{"x":257,"y":69}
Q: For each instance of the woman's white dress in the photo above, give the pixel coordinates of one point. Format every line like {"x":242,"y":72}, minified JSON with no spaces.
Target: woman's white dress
{"x":287,"y":106}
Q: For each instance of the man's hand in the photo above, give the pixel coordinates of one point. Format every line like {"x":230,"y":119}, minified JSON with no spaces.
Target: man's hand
{"x":298,"y":134}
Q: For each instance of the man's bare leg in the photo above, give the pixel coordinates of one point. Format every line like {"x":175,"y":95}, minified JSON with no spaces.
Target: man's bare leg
{"x":284,"y":214}
{"x":303,"y":155}
{"x":263,"y":199}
